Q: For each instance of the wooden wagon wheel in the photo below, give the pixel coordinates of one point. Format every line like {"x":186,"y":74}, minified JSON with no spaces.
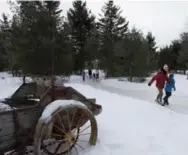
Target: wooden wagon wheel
{"x":70,"y":130}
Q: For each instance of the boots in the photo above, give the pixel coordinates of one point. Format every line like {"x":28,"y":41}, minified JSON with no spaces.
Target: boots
{"x":165,"y":101}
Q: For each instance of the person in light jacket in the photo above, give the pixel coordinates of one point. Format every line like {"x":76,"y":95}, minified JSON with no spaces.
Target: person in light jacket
{"x":168,"y":89}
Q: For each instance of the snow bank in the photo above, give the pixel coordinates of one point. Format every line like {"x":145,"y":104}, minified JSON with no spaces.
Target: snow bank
{"x":52,"y":107}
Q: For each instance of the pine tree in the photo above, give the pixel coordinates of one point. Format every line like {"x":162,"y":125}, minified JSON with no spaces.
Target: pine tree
{"x":137,"y":54}
{"x":15,"y":41}
{"x":64,"y":51}
{"x":91,"y":48}
{"x":40,"y":41}
{"x":183,"y":55}
{"x":152,"y":61}
{"x":82,"y":22}
{"x":40,"y":26}
{"x":165,"y":56}
{"x":4,"y":42}
{"x":27,"y":43}
{"x":175,"y":50}
{"x":112,"y":28}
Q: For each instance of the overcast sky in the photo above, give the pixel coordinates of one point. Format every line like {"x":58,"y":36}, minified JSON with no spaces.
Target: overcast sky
{"x":166,"y":19}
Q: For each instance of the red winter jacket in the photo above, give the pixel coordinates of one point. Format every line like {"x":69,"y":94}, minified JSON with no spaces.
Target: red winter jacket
{"x":161,"y":78}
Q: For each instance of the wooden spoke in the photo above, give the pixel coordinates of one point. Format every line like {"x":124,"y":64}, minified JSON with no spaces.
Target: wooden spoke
{"x":84,"y":134}
{"x":58,"y":135}
{"x":62,"y":140}
{"x":79,"y":146}
{"x":68,"y":120}
{"x":58,"y":147}
{"x":59,"y":118}
{"x":73,"y":117}
{"x":85,"y":128}
{"x":79,"y":122}
{"x":76,"y":149}
{"x":82,"y":141}
{"x":59,"y":129}
{"x":68,"y":150}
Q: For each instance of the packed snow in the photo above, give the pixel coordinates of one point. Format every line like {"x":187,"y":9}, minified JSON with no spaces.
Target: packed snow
{"x":135,"y":127}
{"x":178,"y":100}
{"x":131,"y":122}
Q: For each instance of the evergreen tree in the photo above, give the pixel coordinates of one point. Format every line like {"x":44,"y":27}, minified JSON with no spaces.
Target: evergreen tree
{"x":15,"y":43}
{"x":165,"y":56}
{"x":4,"y":42}
{"x":40,"y":42}
{"x":152,"y":61}
{"x":112,"y":28}
{"x":137,"y":55}
{"x":170,"y":55}
{"x":29,"y":40}
{"x":175,"y":50}
{"x":183,"y":55}
{"x":82,"y":22}
{"x":91,"y":48}
{"x":64,"y":51}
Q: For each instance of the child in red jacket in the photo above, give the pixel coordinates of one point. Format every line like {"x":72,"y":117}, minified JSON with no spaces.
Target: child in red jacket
{"x":160,"y":78}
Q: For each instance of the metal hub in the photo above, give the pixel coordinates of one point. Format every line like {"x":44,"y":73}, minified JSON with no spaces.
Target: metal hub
{"x":70,"y":138}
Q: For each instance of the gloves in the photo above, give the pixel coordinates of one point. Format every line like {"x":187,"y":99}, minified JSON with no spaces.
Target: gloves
{"x":149,"y":84}
{"x":174,"y":89}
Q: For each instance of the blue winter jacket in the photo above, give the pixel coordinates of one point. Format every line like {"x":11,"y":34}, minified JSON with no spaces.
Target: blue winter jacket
{"x":170,"y":85}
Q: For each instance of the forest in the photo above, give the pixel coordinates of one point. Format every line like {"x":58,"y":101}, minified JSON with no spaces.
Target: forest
{"x":37,"y":39}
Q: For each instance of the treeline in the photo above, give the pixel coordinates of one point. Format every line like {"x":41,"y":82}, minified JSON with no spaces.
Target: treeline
{"x":176,"y":54}
{"x":37,"y":39}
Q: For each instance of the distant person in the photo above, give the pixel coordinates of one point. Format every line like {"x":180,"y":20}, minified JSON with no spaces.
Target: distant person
{"x":168,"y":89}
{"x":83,"y":76}
{"x":97,"y":74}
{"x":160,"y":77}
{"x":90,"y":73}
{"x":94,"y":76}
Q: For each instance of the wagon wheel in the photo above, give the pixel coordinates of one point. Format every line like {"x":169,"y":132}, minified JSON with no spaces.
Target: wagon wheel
{"x":70,"y":130}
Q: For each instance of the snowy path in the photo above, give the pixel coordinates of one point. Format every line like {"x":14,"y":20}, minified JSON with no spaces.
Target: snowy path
{"x":179,"y":102}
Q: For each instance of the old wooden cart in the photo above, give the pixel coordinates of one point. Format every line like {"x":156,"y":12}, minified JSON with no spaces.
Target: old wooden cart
{"x":51,"y":120}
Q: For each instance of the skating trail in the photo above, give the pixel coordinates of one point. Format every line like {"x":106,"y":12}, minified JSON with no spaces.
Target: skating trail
{"x":178,"y":101}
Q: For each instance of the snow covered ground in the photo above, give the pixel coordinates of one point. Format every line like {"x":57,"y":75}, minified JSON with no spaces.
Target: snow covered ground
{"x":131,"y":123}
{"x":135,"y":127}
